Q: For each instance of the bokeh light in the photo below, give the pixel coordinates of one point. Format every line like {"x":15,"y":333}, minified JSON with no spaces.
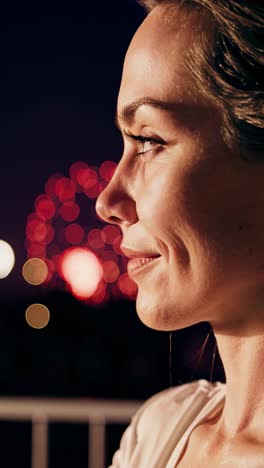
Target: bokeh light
{"x":74,"y":233}
{"x":96,"y":238}
{"x":82,"y":271}
{"x":7,"y":259}
{"x":65,"y":189}
{"x":59,"y":224}
{"x":37,"y":316}
{"x":45,"y":207}
{"x":127,"y":286}
{"x":111,"y":233}
{"x":111,"y":271}
{"x":69,"y":211}
{"x":35,"y":271}
{"x":107,"y":170}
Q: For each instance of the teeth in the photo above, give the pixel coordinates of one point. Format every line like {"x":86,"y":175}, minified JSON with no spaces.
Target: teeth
{"x":138,"y":262}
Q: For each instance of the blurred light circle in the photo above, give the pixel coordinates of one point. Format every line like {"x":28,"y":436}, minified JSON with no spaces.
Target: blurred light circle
{"x":82,"y":271}
{"x":36,"y":230}
{"x":76,"y":168}
{"x":100,"y":294}
{"x":44,"y":207}
{"x":36,"y":250}
{"x":35,"y":271}
{"x":65,"y":189}
{"x":116,"y":245}
{"x":126,"y":285}
{"x":94,"y":192}
{"x":87,"y":178}
{"x":50,"y":186}
{"x":111,"y":233}
{"x":37,"y":316}
{"x":49,"y":235}
{"x":69,"y":211}
{"x":107,"y":255}
{"x":111,"y":271}
{"x":74,"y":233}
{"x":96,"y":238}
{"x":7,"y":259}
{"x":107,"y":170}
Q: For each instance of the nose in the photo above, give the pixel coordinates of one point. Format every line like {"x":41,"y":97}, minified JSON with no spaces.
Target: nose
{"x":115,"y":203}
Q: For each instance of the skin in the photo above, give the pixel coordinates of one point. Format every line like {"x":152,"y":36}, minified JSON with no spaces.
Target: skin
{"x":199,"y":206}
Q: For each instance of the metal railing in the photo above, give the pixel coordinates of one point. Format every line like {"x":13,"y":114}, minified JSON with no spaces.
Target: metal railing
{"x":41,"y":412}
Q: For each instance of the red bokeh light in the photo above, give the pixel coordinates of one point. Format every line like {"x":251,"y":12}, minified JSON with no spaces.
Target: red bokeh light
{"x":116,"y":245}
{"x":111,"y":233}
{"x":65,"y":189}
{"x":45,"y":207}
{"x":35,"y":250}
{"x":127,"y":286}
{"x":69,"y":211}
{"x":96,"y":238}
{"x":50,"y":234}
{"x":94,"y":191}
{"x":107,"y":170}
{"x":50,"y":186}
{"x":86,"y":177}
{"x":100,"y":294}
{"x":36,"y":230}
{"x":107,"y":255}
{"x":76,"y":168}
{"x":74,"y":233}
{"x":82,"y":271}
{"x":111,"y":271}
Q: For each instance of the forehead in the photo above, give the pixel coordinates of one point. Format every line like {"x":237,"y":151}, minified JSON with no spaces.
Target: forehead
{"x":154,"y":63}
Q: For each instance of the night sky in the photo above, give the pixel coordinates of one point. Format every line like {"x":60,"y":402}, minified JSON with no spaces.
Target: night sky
{"x":60,"y":75}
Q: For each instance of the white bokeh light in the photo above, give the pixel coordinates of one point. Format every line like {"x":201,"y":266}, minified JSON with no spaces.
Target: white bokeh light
{"x":82,"y":271}
{"x":7,"y":259}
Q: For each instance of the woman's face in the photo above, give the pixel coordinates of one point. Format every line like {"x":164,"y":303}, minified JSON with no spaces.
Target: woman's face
{"x":183,"y":197}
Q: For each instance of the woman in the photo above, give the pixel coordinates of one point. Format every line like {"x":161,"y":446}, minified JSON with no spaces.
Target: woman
{"x":188,"y":196}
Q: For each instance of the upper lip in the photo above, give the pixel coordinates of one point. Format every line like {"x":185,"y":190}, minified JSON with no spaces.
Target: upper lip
{"x":132,"y":253}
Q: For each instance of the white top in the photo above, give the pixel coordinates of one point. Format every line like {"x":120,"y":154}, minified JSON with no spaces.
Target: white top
{"x":160,"y":429}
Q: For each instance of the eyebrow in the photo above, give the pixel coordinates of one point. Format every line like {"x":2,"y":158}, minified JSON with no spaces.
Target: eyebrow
{"x":128,"y":112}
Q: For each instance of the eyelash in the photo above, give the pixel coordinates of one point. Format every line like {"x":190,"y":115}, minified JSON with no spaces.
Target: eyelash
{"x":142,"y":139}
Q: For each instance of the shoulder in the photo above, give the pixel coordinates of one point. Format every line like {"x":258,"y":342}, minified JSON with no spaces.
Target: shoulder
{"x":169,"y":403}
{"x":154,"y":422}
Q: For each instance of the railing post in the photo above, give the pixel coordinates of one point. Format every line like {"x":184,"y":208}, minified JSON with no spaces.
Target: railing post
{"x":39,"y":451}
{"x":96,"y":458}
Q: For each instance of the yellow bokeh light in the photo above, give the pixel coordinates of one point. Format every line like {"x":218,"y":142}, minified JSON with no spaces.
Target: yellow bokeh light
{"x":35,"y":271}
{"x":37,"y":316}
{"x":7,"y":259}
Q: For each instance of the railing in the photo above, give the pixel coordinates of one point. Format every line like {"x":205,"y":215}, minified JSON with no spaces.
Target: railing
{"x":43,"y":411}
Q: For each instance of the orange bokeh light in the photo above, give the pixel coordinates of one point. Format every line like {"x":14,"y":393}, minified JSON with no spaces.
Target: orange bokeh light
{"x":82,"y":271}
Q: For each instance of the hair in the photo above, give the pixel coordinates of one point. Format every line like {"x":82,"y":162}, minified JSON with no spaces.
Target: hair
{"x":226,"y":61}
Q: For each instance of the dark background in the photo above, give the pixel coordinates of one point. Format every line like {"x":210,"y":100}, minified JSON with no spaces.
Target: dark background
{"x":60,"y":73}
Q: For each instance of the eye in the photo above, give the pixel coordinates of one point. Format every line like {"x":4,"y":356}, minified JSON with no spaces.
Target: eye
{"x":147,"y":143}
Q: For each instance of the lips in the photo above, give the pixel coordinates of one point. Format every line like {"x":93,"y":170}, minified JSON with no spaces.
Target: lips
{"x":139,"y":260}
{"x":132,"y":253}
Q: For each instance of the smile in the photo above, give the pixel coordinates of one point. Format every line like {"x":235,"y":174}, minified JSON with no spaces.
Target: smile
{"x":137,"y":264}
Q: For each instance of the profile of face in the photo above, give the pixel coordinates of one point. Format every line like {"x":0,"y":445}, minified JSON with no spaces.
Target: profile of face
{"x":180,"y":196}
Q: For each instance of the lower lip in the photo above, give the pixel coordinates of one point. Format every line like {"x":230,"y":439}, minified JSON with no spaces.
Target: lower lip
{"x":138,"y":264}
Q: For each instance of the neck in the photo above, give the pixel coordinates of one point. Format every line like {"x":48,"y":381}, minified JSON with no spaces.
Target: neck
{"x":242,"y":357}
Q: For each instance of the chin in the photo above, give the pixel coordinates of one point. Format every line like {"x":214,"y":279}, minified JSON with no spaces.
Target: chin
{"x":157,"y":316}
